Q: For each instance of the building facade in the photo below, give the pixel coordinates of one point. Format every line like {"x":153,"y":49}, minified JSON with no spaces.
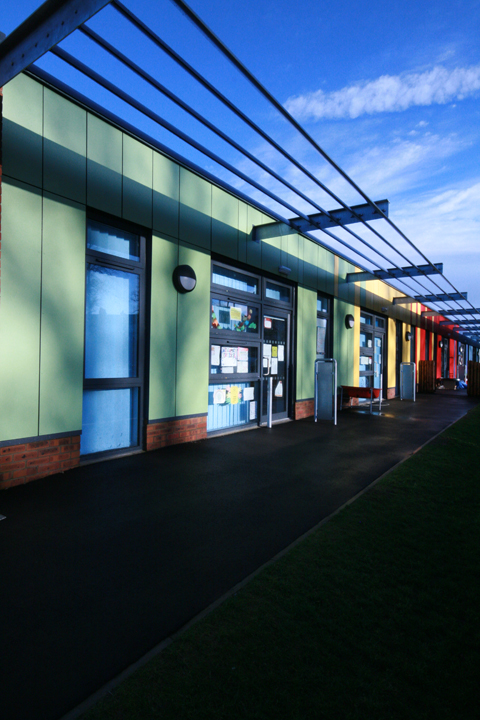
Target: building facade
{"x":100,"y":353}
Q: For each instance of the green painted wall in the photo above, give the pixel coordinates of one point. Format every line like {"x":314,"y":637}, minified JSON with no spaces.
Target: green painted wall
{"x":20,"y":310}
{"x":344,"y":342}
{"x":193,"y":342}
{"x":163,"y":329}
{"x":306,"y":342}
{"x":62,"y":318}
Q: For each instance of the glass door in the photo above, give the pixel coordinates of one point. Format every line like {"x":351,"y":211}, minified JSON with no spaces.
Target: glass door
{"x":276,"y":362}
{"x":377,"y":361}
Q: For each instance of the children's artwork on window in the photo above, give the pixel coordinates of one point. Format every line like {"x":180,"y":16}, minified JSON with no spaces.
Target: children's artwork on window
{"x":219,"y":397}
{"x":235,"y":316}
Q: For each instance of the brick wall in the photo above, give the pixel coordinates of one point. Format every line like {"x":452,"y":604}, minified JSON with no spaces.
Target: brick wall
{"x":33,"y":460}
{"x":175,"y":431}
{"x":304,"y":409}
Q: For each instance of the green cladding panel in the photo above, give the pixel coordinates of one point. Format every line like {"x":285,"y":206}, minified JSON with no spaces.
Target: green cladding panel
{"x":104,"y":166}
{"x":166,"y":195}
{"x":343,"y":342}
{"x":254,"y":249}
{"x":20,"y":310}
{"x":193,"y":355}
{"x":65,"y":147}
{"x":22,"y":130}
{"x":242,"y":231}
{"x":62,"y":321}
{"x":195,"y":210}
{"x":137,"y":182}
{"x":310,"y":264}
{"x":163,"y":329}
{"x":224,"y":223}
{"x":290,"y":252}
{"x":306,"y":342}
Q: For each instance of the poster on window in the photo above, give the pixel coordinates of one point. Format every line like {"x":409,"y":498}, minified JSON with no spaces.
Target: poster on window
{"x":235,"y":314}
{"x":253,"y":410}
{"x":242,"y":354}
{"x":229,"y":357}
{"x":215,"y":354}
{"x":242,"y":367}
{"x":219,"y":396}
{"x":234,"y":394}
{"x":281,"y":353}
{"x":279,"y":389}
{"x":249,"y":393}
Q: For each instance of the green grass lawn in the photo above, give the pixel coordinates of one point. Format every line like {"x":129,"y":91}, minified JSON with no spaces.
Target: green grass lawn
{"x":374,"y":615}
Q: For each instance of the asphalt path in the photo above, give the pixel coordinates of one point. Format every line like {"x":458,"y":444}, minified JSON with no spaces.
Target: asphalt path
{"x":100,"y":564}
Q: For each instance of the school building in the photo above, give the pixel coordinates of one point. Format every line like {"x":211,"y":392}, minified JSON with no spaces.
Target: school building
{"x":144,"y":303}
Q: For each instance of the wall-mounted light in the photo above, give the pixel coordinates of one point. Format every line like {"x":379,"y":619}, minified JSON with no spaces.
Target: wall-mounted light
{"x":440,"y":344}
{"x":349,"y":321}
{"x":284,"y":270}
{"x":184,"y":278}
{"x":408,"y":336}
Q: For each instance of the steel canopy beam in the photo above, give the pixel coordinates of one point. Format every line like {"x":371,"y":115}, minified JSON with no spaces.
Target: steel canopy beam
{"x":334,"y":218}
{"x":396,"y":273}
{"x":342,"y":216}
{"x":475,"y":311}
{"x":41,"y":31}
{"x":424,"y":299}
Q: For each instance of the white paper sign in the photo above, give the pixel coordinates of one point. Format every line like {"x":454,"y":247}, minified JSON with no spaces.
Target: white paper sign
{"x":229,"y":357}
{"x":242,"y":367}
{"x":267,"y":323}
{"x":219,"y":397}
{"x":279,"y":389}
{"x":215,"y":354}
{"x":242,"y":354}
{"x":281,"y":353}
{"x":267,"y":350}
{"x":274,"y":366}
{"x":249,"y":393}
{"x":253,"y":410}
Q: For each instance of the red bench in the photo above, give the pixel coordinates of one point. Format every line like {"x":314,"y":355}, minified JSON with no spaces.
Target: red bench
{"x":359,"y":392}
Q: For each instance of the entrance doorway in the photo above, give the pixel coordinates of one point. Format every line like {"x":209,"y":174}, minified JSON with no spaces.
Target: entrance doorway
{"x":372,"y":351}
{"x":114,"y":340}
{"x":276,"y":362}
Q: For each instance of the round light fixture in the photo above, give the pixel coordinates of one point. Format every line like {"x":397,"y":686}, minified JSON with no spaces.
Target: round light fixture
{"x":408,"y":336}
{"x":184,"y":278}
{"x":349,"y":321}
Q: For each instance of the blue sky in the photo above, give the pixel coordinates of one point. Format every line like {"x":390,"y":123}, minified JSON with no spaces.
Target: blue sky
{"x":390,"y":90}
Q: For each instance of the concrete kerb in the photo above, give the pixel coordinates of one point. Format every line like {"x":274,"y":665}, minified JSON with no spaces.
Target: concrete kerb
{"x":116,"y":681}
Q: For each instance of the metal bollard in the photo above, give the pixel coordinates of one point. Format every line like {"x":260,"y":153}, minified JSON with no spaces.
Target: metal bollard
{"x":269,"y":401}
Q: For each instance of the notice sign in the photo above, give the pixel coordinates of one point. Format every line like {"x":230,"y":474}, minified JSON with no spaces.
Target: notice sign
{"x":249,"y":393}
{"x":242,"y":354}
{"x":253,"y":410}
{"x":281,"y":353}
{"x":267,"y":323}
{"x":279,"y":389}
{"x":235,"y":314}
{"x":234,"y":394}
{"x":229,"y":357}
{"x":215,"y":354}
{"x":274,"y":351}
{"x":219,"y":397}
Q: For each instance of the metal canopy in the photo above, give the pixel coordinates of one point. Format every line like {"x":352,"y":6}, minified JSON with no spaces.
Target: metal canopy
{"x":424,"y":299}
{"x":56,"y":19}
{"x":462,"y":323}
{"x":410,"y":271}
{"x":47,"y":26}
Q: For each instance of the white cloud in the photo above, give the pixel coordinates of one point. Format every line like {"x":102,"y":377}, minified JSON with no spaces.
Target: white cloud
{"x":389,"y":93}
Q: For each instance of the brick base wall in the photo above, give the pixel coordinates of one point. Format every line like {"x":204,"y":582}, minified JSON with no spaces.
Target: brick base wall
{"x":173,"y":432}
{"x":21,"y":463}
{"x":304,"y":409}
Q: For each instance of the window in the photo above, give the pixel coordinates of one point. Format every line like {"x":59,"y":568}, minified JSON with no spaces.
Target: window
{"x":114,"y":343}
{"x":324,"y":327}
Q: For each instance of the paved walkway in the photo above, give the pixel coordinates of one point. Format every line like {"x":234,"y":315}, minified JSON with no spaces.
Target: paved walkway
{"x":99,"y":565}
